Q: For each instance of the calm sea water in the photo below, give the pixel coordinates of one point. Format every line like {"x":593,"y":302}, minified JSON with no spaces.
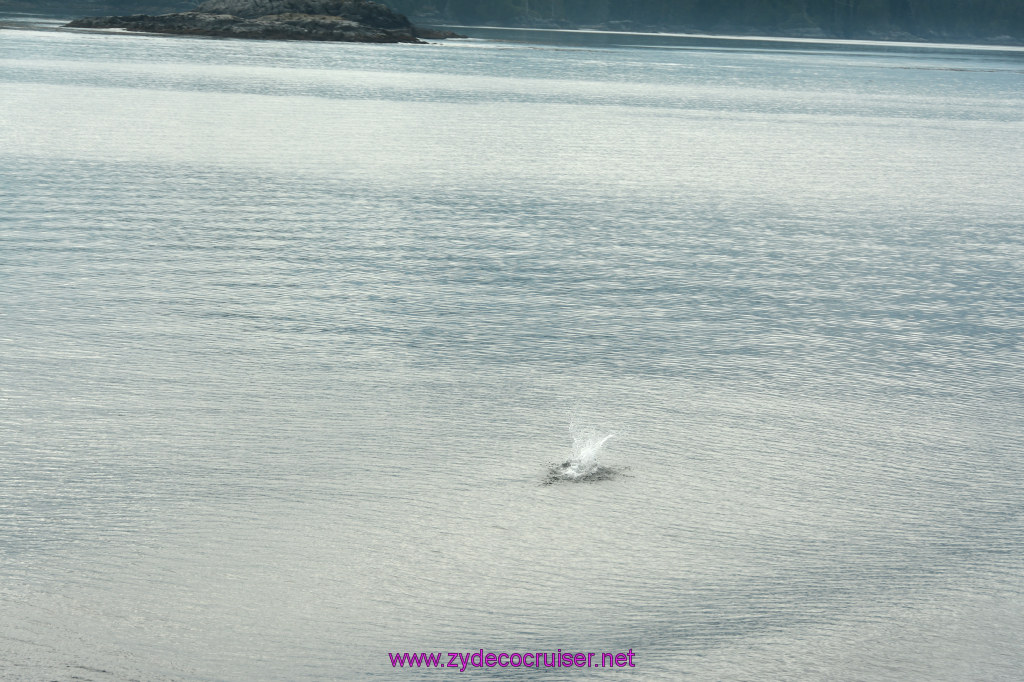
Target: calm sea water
{"x":295,"y":338}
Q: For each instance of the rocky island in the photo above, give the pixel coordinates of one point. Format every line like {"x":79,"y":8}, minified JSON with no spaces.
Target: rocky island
{"x":360,"y":21}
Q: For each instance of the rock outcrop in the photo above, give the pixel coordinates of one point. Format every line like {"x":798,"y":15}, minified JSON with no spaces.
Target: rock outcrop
{"x":360,"y":21}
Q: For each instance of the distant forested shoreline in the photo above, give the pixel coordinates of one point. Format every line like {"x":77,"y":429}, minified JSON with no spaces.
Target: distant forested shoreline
{"x":977,"y":20}
{"x":921,"y":19}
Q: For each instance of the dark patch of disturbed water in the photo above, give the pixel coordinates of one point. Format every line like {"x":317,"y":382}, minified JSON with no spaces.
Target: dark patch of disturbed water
{"x":564,"y":473}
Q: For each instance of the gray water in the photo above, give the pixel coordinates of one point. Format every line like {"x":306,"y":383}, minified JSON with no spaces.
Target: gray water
{"x":308,"y":353}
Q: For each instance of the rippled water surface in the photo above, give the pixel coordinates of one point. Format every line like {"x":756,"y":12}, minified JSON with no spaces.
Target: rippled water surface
{"x":708,"y":349}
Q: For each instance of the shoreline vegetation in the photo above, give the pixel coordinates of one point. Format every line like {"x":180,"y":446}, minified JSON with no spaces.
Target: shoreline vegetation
{"x":356,"y":21}
{"x":989,"y":22}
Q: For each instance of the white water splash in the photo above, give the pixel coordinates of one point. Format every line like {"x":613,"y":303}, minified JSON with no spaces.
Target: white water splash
{"x":586,"y":444}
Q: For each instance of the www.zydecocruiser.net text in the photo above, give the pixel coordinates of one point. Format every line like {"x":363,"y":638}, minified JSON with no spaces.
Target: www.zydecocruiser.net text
{"x":478,"y":659}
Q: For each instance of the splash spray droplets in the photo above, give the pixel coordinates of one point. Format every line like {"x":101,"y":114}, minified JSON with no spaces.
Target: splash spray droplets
{"x":583,"y":464}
